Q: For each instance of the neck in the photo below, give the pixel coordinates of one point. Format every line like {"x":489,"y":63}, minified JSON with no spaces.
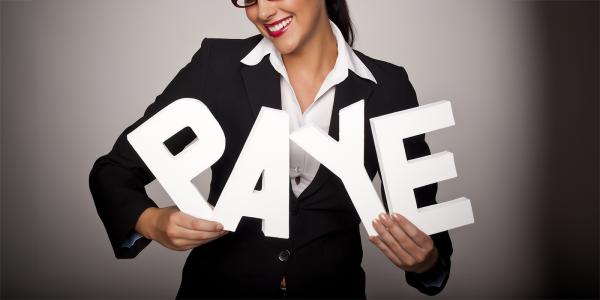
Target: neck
{"x":317,"y":55}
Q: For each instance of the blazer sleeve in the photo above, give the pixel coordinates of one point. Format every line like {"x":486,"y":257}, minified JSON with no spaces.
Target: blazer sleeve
{"x":426,"y":195}
{"x":117,"y":180}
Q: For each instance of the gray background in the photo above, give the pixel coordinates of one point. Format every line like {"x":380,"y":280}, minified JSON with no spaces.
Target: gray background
{"x":522,"y":77}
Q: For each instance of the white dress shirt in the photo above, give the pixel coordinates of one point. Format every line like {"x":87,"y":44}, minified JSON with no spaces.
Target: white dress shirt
{"x":303,"y":167}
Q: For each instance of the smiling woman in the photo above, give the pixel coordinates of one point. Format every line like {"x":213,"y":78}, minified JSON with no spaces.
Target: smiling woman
{"x":302,"y":62}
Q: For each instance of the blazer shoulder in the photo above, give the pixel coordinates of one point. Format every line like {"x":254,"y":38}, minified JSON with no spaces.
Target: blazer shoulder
{"x":385,"y":72}
{"x":225,"y":51}
{"x":393,"y":82}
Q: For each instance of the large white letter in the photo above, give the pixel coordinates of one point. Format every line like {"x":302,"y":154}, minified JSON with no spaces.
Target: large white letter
{"x":175,"y":173}
{"x":400,"y":176}
{"x":266,"y":151}
{"x":345,"y":159}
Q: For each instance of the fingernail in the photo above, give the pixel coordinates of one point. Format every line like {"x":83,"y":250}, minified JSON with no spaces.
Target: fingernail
{"x":385,"y":217}
{"x":219,"y":227}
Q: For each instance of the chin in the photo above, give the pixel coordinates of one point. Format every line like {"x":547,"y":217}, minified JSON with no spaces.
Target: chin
{"x":285,"y":49}
{"x":286,"y":45}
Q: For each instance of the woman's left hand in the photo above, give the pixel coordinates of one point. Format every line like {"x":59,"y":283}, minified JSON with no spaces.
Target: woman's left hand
{"x":403,"y":243}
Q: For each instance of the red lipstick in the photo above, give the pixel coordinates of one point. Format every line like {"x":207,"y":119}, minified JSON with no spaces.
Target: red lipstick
{"x":279,"y":27}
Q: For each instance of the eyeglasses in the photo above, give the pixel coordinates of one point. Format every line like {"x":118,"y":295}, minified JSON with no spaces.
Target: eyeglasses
{"x":243,"y":3}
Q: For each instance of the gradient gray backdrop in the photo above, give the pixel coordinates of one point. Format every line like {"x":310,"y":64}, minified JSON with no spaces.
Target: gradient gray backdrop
{"x":522,"y":77}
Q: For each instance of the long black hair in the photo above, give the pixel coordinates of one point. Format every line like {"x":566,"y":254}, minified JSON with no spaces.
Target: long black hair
{"x":338,"y":13}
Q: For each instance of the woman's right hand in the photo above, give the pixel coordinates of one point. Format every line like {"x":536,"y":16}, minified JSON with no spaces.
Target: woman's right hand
{"x":177,"y":230}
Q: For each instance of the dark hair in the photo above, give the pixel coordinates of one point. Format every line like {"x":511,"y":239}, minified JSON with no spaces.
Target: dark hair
{"x":338,"y":13}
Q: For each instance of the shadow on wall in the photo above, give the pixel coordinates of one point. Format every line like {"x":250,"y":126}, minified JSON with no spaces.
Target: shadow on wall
{"x":569,"y":41}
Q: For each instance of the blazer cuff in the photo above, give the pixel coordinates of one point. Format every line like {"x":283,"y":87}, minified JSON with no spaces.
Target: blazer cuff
{"x":432,"y":281}
{"x":130,"y":240}
{"x":136,"y":246}
{"x":128,"y":245}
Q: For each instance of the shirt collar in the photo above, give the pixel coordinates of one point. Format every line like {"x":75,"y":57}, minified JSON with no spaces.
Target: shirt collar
{"x":346,"y":59}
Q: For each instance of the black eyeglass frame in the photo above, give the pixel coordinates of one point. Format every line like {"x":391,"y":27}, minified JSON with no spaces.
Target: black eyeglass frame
{"x":236,"y":4}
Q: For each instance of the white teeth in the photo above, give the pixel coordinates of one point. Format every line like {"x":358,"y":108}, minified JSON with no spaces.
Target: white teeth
{"x":280,"y":25}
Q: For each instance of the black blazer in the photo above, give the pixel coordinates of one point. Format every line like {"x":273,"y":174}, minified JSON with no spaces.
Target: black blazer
{"x":324,"y":244}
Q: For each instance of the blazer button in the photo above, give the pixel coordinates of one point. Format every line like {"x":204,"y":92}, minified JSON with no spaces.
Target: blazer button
{"x":284,"y":255}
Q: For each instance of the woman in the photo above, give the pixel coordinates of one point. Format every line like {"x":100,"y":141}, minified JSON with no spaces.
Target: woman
{"x":302,"y":63}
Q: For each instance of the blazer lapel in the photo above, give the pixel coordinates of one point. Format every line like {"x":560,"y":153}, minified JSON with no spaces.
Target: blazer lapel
{"x":351,"y":90}
{"x":262,"y":85}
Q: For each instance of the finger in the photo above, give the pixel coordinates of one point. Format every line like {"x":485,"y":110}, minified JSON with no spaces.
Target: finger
{"x":210,"y":239}
{"x":419,"y":237}
{"x":196,"y":235}
{"x":392,"y":244}
{"x":386,"y":250}
{"x":184,"y":220}
{"x":185,"y":244}
{"x":401,"y":237}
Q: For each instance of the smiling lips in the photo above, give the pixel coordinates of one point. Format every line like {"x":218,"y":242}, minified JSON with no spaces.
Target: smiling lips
{"x":278,"y":28}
